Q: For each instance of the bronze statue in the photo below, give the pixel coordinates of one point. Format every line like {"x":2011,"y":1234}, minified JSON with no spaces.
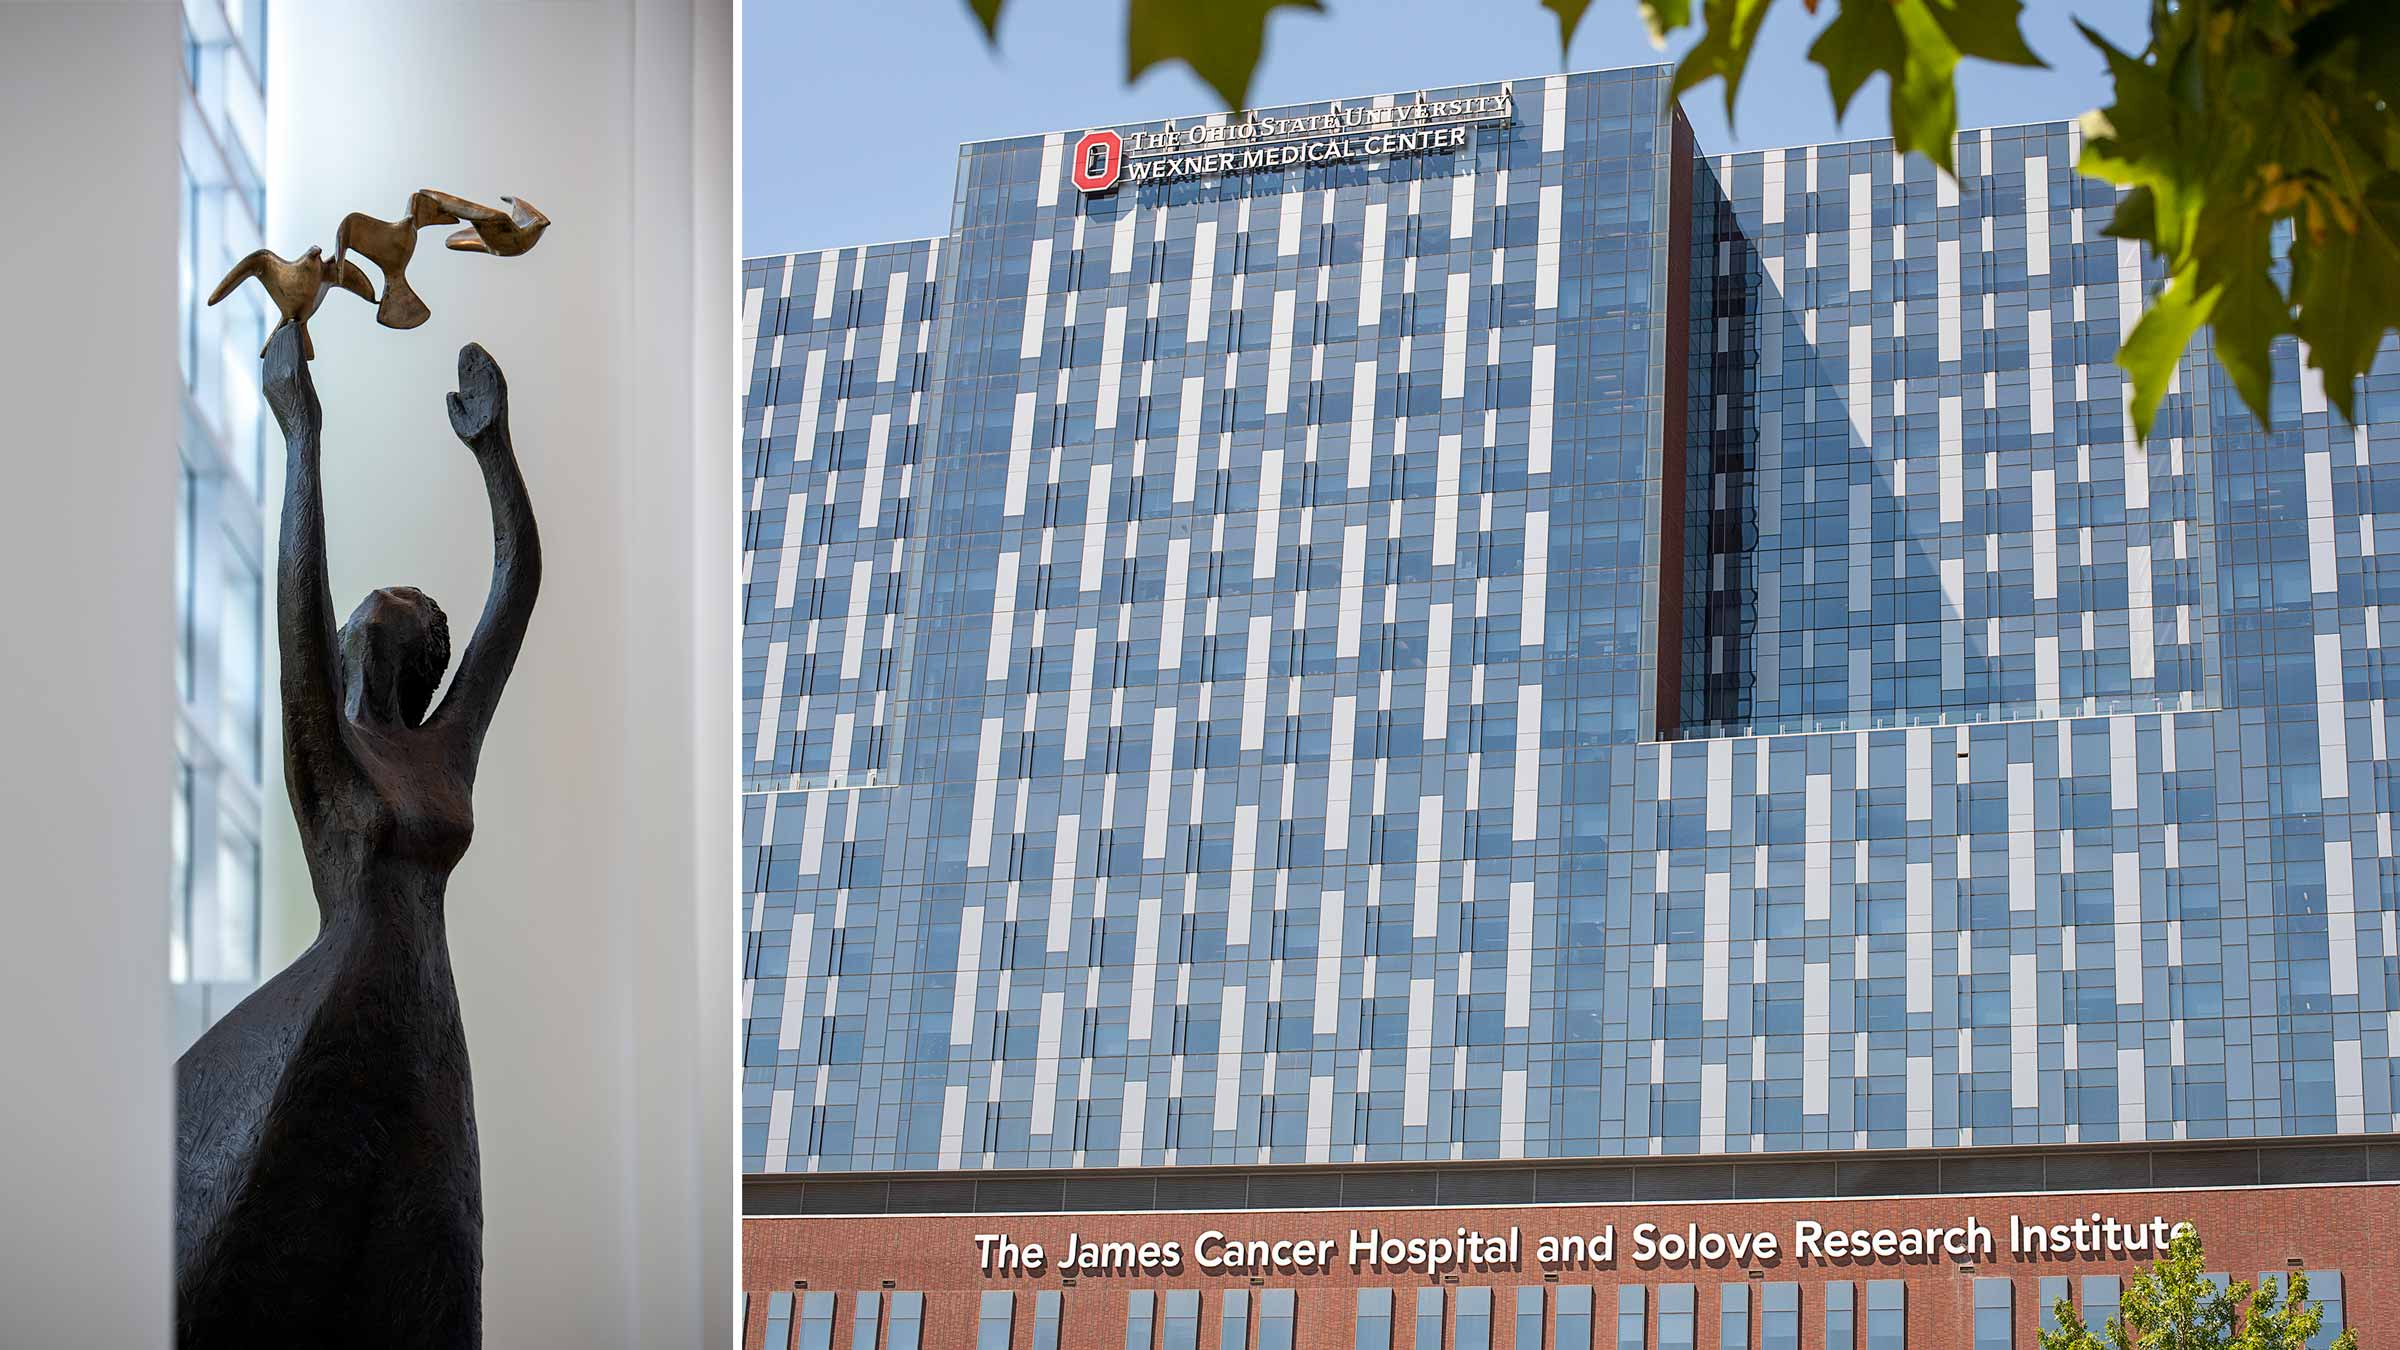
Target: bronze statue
{"x":389,"y":244}
{"x":490,"y":231}
{"x":327,"y":1184}
{"x":297,"y":286}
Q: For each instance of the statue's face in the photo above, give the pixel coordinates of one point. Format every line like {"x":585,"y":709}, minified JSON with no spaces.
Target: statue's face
{"x":396,"y":646}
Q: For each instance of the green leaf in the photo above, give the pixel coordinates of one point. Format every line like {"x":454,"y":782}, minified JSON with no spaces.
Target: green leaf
{"x":987,"y":13}
{"x":1662,"y":16}
{"x":1723,"y":51}
{"x":1221,"y":40}
{"x":2150,"y":352}
{"x":1986,"y":30}
{"x":1863,"y":40}
{"x":1916,"y":45}
{"x":2348,"y":290}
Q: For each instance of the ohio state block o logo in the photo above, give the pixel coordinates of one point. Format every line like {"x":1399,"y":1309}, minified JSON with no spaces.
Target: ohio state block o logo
{"x":1099,"y":158}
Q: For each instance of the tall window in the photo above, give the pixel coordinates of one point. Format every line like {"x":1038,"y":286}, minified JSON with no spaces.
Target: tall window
{"x":1141,"y":1319}
{"x":1733,"y":1316}
{"x":1676,"y":1319}
{"x":1278,"y":1319}
{"x":866,"y":1320}
{"x":1429,"y":1318}
{"x":1529,"y":1317}
{"x":1374,"y":1320}
{"x":1046,"y":1320}
{"x":1779,"y":1316}
{"x":1474,"y":1330}
{"x":779,"y":1322}
{"x":221,"y":539}
{"x":1887,"y":1315}
{"x":1233,"y":1323}
{"x":2100,"y":1295}
{"x":1183,"y":1320}
{"x":1633,"y":1318}
{"x":1575,"y":1317}
{"x":1841,"y":1316}
{"x":995,"y":1320}
{"x":1995,"y":1313}
{"x":2053,"y":1292}
{"x":816,"y":1322}
{"x":908,"y":1322}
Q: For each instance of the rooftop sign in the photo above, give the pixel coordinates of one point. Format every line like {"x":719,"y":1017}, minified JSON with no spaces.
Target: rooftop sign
{"x":1259,"y":143}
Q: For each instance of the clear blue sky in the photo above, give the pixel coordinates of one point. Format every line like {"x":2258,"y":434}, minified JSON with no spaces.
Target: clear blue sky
{"x":854,"y":109}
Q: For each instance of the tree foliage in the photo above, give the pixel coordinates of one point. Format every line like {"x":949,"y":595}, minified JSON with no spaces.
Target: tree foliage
{"x":2174,"y":1306}
{"x":2256,"y":141}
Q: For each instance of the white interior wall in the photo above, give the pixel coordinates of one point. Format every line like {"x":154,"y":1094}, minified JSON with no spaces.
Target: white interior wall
{"x":591,"y":923}
{"x":90,"y":94}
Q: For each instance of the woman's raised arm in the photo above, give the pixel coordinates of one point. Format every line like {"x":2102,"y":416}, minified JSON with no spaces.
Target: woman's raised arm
{"x":312,"y":739}
{"x":479,"y":415}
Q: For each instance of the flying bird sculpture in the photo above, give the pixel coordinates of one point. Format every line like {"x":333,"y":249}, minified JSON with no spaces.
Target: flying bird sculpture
{"x":296,"y":285}
{"x":389,"y":244}
{"x":501,"y":234}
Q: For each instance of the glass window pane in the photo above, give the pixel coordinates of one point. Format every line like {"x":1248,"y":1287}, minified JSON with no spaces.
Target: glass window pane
{"x":908,"y":1322}
{"x":1183,"y":1320}
{"x":1574,"y":1317}
{"x":1278,"y":1319}
{"x":1995,"y":1313}
{"x":1676,"y":1329}
{"x":1474,"y":1329}
{"x":1733,"y":1316}
{"x":1779,"y":1323}
{"x":1429,"y":1317}
{"x":1529,"y":1317}
{"x":996,"y":1321}
{"x":1633,"y":1318}
{"x":1887,"y":1315}
{"x":1841,"y":1316}
{"x":1140,"y":1318}
{"x":1374,"y":1321}
{"x":1046,"y":1320}
{"x":866,"y":1320}
{"x":816,"y":1322}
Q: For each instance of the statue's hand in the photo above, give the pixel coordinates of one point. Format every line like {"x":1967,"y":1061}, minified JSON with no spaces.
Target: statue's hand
{"x":479,"y":410}
{"x":285,"y":379}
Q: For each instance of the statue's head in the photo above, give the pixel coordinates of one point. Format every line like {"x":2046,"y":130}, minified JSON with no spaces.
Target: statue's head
{"x":394,"y":649}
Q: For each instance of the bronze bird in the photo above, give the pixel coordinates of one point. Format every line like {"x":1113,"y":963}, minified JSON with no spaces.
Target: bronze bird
{"x":297,"y":286}
{"x":489,"y":230}
{"x":389,"y":244}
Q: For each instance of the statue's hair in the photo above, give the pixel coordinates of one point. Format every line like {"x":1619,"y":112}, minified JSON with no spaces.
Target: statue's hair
{"x":427,"y":660}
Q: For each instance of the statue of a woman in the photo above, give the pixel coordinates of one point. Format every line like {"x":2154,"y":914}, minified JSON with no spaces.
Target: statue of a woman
{"x":327,"y":1186}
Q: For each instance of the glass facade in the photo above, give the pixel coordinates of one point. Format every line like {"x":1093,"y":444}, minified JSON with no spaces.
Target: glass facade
{"x":221,"y":545}
{"x":1562,"y":646}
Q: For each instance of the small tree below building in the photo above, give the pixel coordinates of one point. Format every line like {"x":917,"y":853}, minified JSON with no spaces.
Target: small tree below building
{"x":2175,"y":1306}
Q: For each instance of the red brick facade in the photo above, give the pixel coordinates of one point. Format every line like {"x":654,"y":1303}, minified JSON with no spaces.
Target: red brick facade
{"x":2346,"y":1228}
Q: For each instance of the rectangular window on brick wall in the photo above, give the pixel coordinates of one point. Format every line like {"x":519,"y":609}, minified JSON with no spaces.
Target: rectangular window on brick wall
{"x":1887,"y":1315}
{"x":1429,"y":1317}
{"x":1046,"y":1320}
{"x":1574,"y":1329}
{"x":1677,"y":1318}
{"x":866,"y":1321}
{"x":1841,"y":1316}
{"x":1233,"y":1325}
{"x":1633,"y":1318}
{"x":1779,"y":1316}
{"x":1529,"y":1317}
{"x":1995,"y":1314}
{"x":908,"y":1322}
{"x":1474,"y":1328}
{"x":1278,"y":1319}
{"x":1182,"y":1325}
{"x":995,"y":1322}
{"x":1141,"y":1317}
{"x":1733,"y":1316}
{"x":1374,"y":1330}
